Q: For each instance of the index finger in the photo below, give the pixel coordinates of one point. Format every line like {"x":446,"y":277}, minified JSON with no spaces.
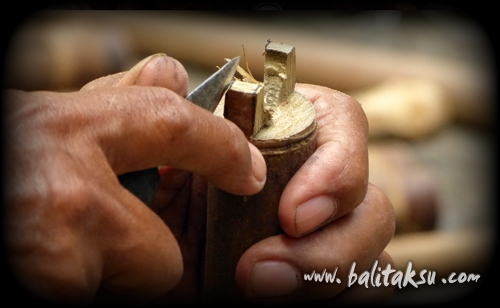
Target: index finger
{"x":143,"y":127}
{"x":334,"y":180}
{"x":182,"y":129}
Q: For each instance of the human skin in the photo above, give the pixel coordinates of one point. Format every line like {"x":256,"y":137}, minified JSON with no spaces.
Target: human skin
{"x":73,"y":234}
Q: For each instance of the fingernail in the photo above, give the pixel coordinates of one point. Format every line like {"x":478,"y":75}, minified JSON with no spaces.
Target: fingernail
{"x":258,"y":164}
{"x":312,"y":213}
{"x":133,"y":74}
{"x":273,"y":278}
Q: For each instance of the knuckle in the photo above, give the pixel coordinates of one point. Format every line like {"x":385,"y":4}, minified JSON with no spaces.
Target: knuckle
{"x":72,"y":199}
{"x":48,"y":260}
{"x":385,"y":212}
{"x":49,"y":199}
{"x":356,"y":110}
{"x":175,"y":120}
{"x":352,"y":183}
{"x":378,"y":196}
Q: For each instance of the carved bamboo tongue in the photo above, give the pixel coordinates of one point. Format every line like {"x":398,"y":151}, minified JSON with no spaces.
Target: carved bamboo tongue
{"x":271,"y":114}
{"x":282,"y":124}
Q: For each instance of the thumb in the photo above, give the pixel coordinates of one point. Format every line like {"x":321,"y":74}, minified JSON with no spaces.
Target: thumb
{"x":156,"y":70}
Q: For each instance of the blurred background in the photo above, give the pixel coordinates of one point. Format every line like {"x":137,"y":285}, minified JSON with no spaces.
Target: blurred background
{"x":425,"y":76}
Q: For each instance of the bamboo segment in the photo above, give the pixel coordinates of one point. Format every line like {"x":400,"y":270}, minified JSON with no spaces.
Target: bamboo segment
{"x":279,"y":77}
{"x":244,"y":106}
{"x":287,"y":139}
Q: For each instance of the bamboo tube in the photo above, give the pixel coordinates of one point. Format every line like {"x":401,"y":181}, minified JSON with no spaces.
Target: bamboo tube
{"x":286,"y":140}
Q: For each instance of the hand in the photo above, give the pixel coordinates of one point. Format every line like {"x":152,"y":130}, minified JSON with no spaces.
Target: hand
{"x":357,"y":229}
{"x":107,"y":224}
{"x":72,"y":232}
{"x":331,"y":215}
